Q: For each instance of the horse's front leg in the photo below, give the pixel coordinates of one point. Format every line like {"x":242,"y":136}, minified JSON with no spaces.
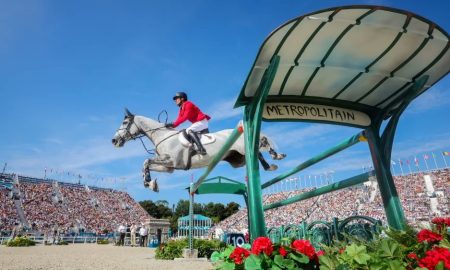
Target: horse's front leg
{"x":154,"y":165}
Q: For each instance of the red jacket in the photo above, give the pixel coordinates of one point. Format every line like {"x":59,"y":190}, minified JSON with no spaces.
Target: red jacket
{"x":188,"y":111}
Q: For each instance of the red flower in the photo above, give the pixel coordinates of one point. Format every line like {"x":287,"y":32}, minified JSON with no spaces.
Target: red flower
{"x":320,"y":253}
{"x":342,"y":250}
{"x":434,"y":256}
{"x":413,"y":256}
{"x":239,"y":254}
{"x":429,"y":236}
{"x":304,"y":247}
{"x":282,"y":251}
{"x":441,"y":222}
{"x":262,"y":244}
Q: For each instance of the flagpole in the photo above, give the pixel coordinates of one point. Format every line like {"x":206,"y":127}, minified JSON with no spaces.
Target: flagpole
{"x":392,"y":165}
{"x":416,"y":161}
{"x":434,"y":158}
{"x":425,"y":157}
{"x":445,"y":161}
{"x":401,"y":167}
{"x":409,"y":166}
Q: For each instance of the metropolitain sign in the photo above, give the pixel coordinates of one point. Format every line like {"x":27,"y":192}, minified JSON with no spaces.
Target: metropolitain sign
{"x":313,"y":112}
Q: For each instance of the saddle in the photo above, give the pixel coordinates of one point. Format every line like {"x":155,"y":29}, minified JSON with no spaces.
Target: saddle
{"x":205,"y":138}
{"x":187,"y":141}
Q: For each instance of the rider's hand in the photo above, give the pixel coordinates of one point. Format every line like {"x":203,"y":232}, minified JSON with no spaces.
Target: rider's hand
{"x":169,"y":125}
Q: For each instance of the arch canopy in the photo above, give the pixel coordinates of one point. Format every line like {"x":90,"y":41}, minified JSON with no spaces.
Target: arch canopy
{"x":347,"y":65}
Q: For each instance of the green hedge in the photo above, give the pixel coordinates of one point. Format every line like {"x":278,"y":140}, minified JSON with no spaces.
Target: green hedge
{"x":174,"y":248}
{"x":20,"y":241}
{"x":102,"y":241}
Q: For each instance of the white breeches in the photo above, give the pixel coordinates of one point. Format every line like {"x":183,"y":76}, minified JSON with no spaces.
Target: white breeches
{"x":198,"y":126}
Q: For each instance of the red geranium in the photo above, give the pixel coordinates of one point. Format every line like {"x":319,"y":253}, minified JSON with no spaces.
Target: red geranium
{"x":413,"y":256}
{"x":434,"y":256}
{"x":441,"y":222}
{"x":262,"y":244}
{"x":304,"y":247}
{"x":239,"y":254}
{"x":320,"y":253}
{"x":282,"y":251}
{"x":429,"y":236}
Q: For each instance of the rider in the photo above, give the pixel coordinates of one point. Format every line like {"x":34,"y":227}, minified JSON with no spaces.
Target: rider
{"x":189,"y":111}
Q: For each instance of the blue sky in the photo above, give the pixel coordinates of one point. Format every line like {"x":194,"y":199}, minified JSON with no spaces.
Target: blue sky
{"x":68,"y":69}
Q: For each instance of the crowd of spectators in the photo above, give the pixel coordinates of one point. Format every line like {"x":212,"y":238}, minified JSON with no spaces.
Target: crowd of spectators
{"x":357,"y":200}
{"x":50,"y":206}
{"x":8,"y":212}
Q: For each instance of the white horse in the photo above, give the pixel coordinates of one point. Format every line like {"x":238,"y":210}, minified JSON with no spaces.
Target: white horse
{"x":174,"y":152}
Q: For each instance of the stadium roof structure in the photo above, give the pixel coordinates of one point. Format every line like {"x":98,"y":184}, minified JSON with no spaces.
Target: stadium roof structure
{"x":348,"y":65}
{"x":196,"y":217}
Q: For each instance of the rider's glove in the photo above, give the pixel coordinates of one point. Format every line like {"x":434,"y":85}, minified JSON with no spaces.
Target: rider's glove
{"x":169,"y":125}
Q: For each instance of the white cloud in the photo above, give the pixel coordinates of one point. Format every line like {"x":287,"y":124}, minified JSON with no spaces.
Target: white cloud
{"x":224,"y":110}
{"x":433,"y":98}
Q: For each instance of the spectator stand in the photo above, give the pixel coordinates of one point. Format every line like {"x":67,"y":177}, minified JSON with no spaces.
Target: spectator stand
{"x":321,"y":68}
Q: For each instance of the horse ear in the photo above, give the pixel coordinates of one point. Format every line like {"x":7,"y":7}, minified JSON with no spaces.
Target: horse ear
{"x":127,"y":112}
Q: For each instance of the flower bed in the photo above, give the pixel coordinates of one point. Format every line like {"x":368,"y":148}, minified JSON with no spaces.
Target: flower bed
{"x":395,"y":250}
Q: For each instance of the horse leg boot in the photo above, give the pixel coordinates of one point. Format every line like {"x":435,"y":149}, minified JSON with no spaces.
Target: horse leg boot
{"x":196,"y":139}
{"x":266,"y":165}
{"x":275,"y":155}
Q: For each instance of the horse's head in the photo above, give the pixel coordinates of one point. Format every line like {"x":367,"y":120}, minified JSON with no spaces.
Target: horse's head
{"x":128,"y":130}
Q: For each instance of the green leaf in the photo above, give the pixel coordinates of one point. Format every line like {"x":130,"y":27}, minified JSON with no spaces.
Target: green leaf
{"x":326,"y":263}
{"x":246,"y":246}
{"x":395,"y":265}
{"x":358,"y":253}
{"x":215,"y":256}
{"x":289,"y":264}
{"x":388,"y":249}
{"x":440,"y":266}
{"x":227,"y":266}
{"x":278,"y":260}
{"x":253,"y":262}
{"x":301,"y":258}
{"x":445,"y":243}
{"x":227,"y":252}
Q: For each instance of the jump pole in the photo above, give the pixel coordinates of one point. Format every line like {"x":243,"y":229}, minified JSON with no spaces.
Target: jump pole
{"x":234,"y":136}
{"x":343,"y":145}
{"x":237,"y":132}
{"x":355,"y":180}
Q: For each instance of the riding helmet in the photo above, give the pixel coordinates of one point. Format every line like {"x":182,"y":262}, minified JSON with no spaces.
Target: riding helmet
{"x":180,"y":95}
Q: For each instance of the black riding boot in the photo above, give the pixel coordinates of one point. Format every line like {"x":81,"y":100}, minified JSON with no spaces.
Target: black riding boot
{"x":197,"y":141}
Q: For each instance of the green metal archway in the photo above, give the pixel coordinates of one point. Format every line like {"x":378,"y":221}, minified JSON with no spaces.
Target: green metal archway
{"x":355,"y":66}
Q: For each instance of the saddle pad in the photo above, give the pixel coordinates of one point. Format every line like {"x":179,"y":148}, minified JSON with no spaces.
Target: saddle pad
{"x":205,"y":139}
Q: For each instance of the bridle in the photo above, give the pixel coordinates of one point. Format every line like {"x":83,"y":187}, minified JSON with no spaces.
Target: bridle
{"x":141,"y":133}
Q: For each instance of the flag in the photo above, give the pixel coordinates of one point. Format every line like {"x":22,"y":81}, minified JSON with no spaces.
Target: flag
{"x":407,"y":161}
{"x":416,"y":161}
{"x":393,"y":162}
{"x":400,"y":161}
{"x":426,"y":156}
{"x":432,"y":153}
{"x":445,"y":153}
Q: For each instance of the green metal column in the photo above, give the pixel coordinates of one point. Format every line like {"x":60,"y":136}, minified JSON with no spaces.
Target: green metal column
{"x":252,"y":128}
{"x":391,"y":202}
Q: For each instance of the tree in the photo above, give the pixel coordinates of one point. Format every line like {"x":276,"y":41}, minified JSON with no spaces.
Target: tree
{"x":156,"y":210}
{"x":230,"y":209}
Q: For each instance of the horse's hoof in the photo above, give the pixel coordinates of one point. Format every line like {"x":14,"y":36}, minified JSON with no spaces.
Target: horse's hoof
{"x":278,"y":156}
{"x":154,"y":185}
{"x":272,"y":167}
